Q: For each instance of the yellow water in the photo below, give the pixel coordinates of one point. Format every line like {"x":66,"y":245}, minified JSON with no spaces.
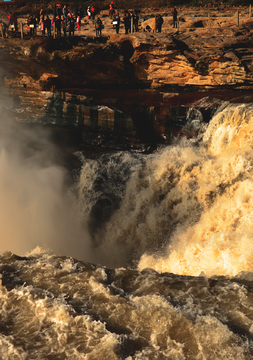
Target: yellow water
{"x":185,"y":210}
{"x":216,"y":178}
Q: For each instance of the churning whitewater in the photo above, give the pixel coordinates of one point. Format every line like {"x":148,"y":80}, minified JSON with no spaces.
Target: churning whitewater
{"x":186,"y":209}
{"x":154,"y":253}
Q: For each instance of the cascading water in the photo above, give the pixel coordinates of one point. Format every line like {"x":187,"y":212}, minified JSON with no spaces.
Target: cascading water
{"x":184,"y":209}
{"x":171,"y":236}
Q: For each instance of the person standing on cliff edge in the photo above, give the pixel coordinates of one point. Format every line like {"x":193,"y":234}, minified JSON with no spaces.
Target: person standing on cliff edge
{"x":71,"y":25}
{"x":58,"y":25}
{"x":99,"y":26}
{"x":159,"y":22}
{"x":126,"y":23}
{"x":111,"y":10}
{"x":136,"y":22}
{"x":47,"y":24}
{"x":117,"y":20}
{"x":174,"y":14}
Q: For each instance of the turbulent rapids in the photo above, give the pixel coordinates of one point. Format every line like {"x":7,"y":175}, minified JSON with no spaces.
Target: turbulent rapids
{"x":171,"y":235}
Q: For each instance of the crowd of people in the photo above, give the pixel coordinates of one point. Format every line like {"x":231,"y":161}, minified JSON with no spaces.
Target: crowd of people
{"x":131,"y":22}
{"x":63,"y":21}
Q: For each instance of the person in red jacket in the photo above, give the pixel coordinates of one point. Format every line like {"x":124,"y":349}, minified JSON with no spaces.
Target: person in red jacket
{"x":10,"y":19}
{"x":92,"y":12}
{"x":111,"y":9}
{"x":78,"y":22}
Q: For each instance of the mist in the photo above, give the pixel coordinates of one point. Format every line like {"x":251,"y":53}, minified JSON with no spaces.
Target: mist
{"x":36,"y":208}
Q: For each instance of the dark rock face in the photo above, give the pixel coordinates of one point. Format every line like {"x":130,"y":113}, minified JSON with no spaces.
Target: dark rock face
{"x":122,"y":91}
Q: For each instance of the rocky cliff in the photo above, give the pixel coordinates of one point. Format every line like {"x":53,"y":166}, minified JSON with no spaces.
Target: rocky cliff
{"x":132,"y":85}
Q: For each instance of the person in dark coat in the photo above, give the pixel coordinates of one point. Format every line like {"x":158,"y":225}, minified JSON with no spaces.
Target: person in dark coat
{"x":159,"y":22}
{"x":59,"y":11}
{"x":174,"y":14}
{"x":126,"y":23}
{"x":48,"y":26}
{"x":71,"y":25}
{"x":136,"y":22}
{"x":58,"y":25}
{"x":98,"y":27}
{"x":117,"y":19}
{"x":64,"y":26}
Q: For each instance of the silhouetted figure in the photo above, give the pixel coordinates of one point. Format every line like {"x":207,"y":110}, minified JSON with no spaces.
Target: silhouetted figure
{"x":99,"y":27}
{"x":136,"y":22}
{"x":65,"y":11}
{"x":131,"y":20}
{"x":117,"y":21}
{"x":65,"y":26}
{"x":30,"y":25}
{"x":78,"y":22}
{"x":93,"y":12}
{"x":59,"y":11}
{"x":48,"y":26}
{"x":71,"y":25}
{"x":89,"y":13}
{"x":111,"y":9}
{"x":42,"y":14}
{"x":159,"y":22}
{"x":58,"y":25}
{"x":174,"y":14}
{"x":126,"y":23}
{"x":42,"y":25}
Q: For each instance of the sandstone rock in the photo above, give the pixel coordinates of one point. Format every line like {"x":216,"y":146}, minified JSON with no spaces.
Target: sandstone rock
{"x":46,"y":77}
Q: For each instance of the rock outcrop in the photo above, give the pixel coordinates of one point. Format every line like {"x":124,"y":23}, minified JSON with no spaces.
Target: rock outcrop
{"x":105,"y":83}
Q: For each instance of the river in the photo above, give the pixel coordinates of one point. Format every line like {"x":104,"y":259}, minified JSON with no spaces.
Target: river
{"x":131,"y":256}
